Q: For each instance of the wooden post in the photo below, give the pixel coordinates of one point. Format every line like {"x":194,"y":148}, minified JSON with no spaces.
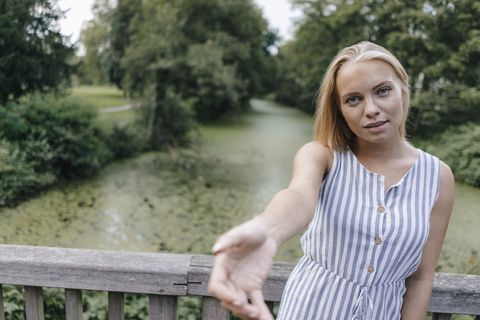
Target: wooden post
{"x":115,"y":306}
{"x":162,"y":307}
{"x":441,"y":316}
{"x":73,"y":304}
{"x":212,"y":310}
{"x":2,"y":310}
{"x":34,"y":303}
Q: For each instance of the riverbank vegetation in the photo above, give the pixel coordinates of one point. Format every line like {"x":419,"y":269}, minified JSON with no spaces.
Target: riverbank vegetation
{"x":192,"y":62}
{"x":436,"y":41}
{"x":46,"y":139}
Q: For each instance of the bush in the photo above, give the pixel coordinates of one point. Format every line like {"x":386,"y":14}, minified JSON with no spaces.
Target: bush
{"x":45,"y":139}
{"x":125,"y":139}
{"x":56,"y":134}
{"x":459,"y":147}
{"x":170,"y":121}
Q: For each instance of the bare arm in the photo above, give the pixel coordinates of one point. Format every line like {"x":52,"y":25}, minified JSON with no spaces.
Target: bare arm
{"x":244,"y":254}
{"x":293,"y":209}
{"x":419,"y":285}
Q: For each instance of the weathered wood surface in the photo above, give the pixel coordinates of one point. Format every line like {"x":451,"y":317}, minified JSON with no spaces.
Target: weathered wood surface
{"x":201,"y":266}
{"x":34,"y":303}
{"x":212,"y":310}
{"x":2,"y":310}
{"x":174,"y":275}
{"x":73,"y":304}
{"x":116,"y":306}
{"x":455,"y":293}
{"x":119,"y":271}
{"x":162,"y":307}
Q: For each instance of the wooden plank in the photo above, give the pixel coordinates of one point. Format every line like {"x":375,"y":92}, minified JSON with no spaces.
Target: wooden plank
{"x":162,"y":307}
{"x":119,"y":271}
{"x":441,"y":316}
{"x":201,"y":266}
{"x":455,"y":294}
{"x":2,"y":310}
{"x":212,"y":310}
{"x":73,"y":304}
{"x":116,"y":302}
{"x":34,"y":303}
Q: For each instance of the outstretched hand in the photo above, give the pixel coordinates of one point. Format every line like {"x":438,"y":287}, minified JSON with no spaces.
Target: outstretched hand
{"x":244,"y":256}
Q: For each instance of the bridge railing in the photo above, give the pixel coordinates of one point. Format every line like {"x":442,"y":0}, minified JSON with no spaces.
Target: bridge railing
{"x":165,"y":277}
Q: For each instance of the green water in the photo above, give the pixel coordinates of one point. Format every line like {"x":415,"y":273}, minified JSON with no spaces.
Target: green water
{"x":154,"y":204}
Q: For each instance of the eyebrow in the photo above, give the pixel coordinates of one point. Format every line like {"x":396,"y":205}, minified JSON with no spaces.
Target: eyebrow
{"x":348,"y":94}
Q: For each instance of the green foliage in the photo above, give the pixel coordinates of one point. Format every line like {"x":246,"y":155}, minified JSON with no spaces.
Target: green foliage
{"x":211,"y":53}
{"x":125,"y":139}
{"x":56,"y":134}
{"x":214,"y":51}
{"x":438,"y":39}
{"x":14,"y":302}
{"x":94,"y":37}
{"x":119,"y":39}
{"x":190,"y":308}
{"x":459,"y":147}
{"x":45,"y":139}
{"x":219,"y":90}
{"x":33,"y":53}
{"x":170,"y":120}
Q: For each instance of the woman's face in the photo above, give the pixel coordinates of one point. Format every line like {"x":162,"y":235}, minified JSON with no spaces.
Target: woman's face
{"x":371,"y":97}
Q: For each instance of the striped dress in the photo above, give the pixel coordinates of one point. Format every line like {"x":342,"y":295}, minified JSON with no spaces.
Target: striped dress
{"x":362,"y":242}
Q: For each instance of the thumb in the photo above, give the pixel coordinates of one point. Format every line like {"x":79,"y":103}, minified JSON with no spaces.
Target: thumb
{"x":257,"y":300}
{"x":228,"y":239}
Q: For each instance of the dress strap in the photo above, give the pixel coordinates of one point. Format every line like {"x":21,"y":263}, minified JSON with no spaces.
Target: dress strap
{"x":363,"y":305}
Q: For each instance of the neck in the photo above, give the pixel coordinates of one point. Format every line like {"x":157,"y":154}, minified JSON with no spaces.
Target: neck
{"x":394,"y":148}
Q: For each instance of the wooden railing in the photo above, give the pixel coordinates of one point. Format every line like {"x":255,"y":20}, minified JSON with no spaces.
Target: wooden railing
{"x":164,"y":277}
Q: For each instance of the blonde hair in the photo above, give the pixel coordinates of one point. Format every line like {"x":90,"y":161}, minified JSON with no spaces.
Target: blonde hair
{"x":330,"y":128}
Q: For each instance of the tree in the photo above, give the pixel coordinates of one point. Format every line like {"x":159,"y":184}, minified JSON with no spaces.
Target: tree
{"x":436,"y":41}
{"x":33,"y":53}
{"x":94,"y":36}
{"x":215,"y":52}
{"x":119,"y":39}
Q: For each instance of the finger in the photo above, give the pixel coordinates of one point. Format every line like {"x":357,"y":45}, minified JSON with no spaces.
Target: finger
{"x":256,"y":297}
{"x":221,"y":287}
{"x":245,"y":311}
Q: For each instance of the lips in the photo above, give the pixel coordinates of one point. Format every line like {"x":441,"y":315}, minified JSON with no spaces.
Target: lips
{"x":375,"y":124}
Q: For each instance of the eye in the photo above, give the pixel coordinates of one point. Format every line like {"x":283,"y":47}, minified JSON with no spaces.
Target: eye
{"x":352,"y":100}
{"x":383,"y":91}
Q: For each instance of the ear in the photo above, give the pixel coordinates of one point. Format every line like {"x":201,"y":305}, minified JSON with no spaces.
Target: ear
{"x":403,"y":96}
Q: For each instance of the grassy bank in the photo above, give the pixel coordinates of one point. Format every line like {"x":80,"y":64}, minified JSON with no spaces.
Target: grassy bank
{"x":101,"y":96}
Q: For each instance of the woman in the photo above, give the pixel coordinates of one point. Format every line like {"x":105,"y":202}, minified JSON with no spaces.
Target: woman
{"x":376,"y":207}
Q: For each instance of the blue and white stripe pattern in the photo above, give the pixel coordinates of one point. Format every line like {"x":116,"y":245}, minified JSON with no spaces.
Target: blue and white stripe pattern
{"x":362,"y":242}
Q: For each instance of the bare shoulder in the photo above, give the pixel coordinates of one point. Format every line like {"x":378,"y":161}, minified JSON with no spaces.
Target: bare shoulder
{"x":446,"y":194}
{"x":312,"y":162}
{"x":316,"y":153}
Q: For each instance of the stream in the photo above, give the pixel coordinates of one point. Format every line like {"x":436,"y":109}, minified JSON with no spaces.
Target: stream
{"x":234,"y":166}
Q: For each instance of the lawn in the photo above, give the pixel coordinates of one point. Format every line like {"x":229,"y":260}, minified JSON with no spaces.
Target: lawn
{"x":101,"y":96}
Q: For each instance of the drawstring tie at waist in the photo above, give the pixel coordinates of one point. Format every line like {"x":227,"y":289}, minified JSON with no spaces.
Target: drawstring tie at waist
{"x":363,"y":305}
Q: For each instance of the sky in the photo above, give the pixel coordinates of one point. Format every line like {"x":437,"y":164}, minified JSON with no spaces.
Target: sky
{"x":279,"y":14}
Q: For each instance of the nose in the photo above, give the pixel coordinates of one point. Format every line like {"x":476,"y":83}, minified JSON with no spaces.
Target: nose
{"x":371,"y":108}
